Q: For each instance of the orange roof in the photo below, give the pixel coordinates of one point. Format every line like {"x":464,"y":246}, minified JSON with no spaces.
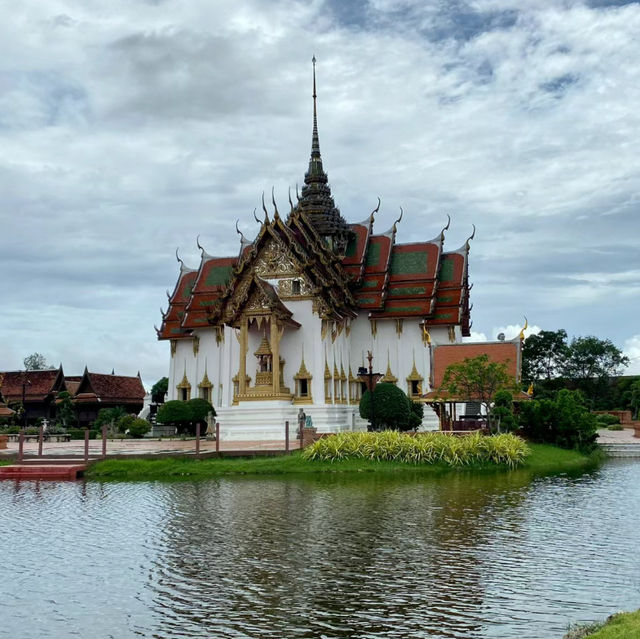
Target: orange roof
{"x":386,"y":279}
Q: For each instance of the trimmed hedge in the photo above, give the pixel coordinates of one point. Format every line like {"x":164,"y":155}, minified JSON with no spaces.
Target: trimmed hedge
{"x":427,"y":448}
{"x":78,"y":433}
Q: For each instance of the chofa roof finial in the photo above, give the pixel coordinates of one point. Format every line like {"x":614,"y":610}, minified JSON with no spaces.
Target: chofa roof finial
{"x":264,"y":208}
{"x":239,"y":232}
{"x":395,"y":224}
{"x":276,"y":215}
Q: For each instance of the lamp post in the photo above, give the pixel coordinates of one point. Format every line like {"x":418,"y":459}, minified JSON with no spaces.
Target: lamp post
{"x":25,"y":381}
{"x":362,"y":372}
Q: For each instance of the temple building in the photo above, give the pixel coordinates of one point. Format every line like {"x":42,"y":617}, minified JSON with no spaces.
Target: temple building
{"x":287,"y":322}
{"x":37,"y":391}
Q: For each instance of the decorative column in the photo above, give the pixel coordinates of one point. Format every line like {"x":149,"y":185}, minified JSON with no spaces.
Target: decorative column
{"x":275,"y":351}
{"x":244,"y":347}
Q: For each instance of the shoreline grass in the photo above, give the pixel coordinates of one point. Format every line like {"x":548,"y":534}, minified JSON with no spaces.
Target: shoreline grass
{"x":623,"y":625}
{"x":544,"y":459}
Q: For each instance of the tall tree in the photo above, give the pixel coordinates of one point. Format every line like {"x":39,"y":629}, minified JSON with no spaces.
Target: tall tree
{"x":544,"y":355}
{"x":35,"y":362}
{"x":590,"y":357}
{"x":590,"y":364}
{"x":478,"y":379}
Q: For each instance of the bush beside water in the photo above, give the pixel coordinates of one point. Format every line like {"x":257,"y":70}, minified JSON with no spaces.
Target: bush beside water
{"x":425,"y":448}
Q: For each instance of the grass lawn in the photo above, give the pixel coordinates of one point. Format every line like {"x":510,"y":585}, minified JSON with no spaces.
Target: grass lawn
{"x":543,"y":459}
{"x":621,"y":626}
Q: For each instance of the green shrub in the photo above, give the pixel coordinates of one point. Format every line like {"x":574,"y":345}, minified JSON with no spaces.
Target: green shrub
{"x":615,"y":427}
{"x":564,"y":421}
{"x":56,"y":429}
{"x":426,"y":448}
{"x":32,"y":430}
{"x":392,"y":408}
{"x":607,"y":419}
{"x":416,"y":416}
{"x":123,"y":424}
{"x":139,"y":427}
{"x":502,"y":417}
{"x":78,"y":433}
{"x":109,"y":417}
{"x":185,"y":415}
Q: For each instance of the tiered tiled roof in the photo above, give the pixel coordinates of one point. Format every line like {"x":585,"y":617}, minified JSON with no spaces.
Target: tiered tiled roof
{"x":110,"y":389}
{"x":38,"y":385}
{"x":210,"y":284}
{"x":72,"y":382}
{"x":348,"y":266}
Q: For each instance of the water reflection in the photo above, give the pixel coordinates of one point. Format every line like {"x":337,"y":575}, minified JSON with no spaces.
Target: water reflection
{"x":329,"y":556}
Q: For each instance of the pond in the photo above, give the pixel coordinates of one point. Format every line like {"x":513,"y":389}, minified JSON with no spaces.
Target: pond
{"x":462,"y":555}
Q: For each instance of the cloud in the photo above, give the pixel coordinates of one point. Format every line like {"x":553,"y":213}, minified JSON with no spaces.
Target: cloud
{"x":128,"y":132}
{"x":632,"y":351}
{"x":513,"y":330}
{"x":475,"y":337}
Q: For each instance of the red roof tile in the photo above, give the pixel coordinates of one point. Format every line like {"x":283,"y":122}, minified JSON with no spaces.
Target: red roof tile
{"x":39,"y":384}
{"x":111,"y":388}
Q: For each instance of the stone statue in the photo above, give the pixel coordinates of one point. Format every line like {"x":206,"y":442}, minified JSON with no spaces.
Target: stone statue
{"x":302,"y":420}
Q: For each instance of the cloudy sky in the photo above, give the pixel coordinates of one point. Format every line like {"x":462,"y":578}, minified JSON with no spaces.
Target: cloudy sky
{"x":127,"y":128}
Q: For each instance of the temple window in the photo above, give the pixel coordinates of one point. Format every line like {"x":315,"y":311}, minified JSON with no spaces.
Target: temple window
{"x":184,"y":388}
{"x":295,"y":287}
{"x":414,"y":382}
{"x":303,"y":384}
{"x":205,"y":387}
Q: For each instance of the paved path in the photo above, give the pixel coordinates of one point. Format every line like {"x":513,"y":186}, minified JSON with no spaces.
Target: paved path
{"x":617,"y":436}
{"x":145,"y":447}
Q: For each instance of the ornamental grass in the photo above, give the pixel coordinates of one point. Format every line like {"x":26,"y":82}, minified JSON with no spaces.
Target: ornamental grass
{"x":423,"y":448}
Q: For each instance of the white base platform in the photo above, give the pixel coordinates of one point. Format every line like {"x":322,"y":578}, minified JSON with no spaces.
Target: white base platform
{"x":266,"y":420}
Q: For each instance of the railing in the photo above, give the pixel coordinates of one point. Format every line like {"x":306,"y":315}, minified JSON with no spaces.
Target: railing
{"x":106,"y":446}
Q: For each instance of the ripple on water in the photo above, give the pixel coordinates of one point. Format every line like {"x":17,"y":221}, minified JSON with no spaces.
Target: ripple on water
{"x":462,"y":556}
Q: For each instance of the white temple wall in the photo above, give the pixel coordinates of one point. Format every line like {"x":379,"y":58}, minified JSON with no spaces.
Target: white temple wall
{"x":183,"y":362}
{"x":221,"y":362}
{"x":295,"y":341}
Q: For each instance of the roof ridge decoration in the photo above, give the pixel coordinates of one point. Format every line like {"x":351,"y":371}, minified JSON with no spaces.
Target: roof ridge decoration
{"x":244,"y":242}
{"x":316,"y":198}
{"x":464,"y":249}
{"x":184,"y":269}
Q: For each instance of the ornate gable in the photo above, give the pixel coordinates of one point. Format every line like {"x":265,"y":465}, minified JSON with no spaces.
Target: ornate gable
{"x":275,"y":261}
